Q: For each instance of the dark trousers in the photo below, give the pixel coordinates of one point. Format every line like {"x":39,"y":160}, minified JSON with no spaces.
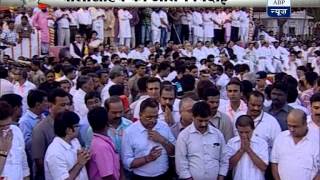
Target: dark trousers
{"x":219,"y":35}
{"x":73,"y":31}
{"x":268,"y":174}
{"x":85,"y":30}
{"x":234,"y":34}
{"x":160,"y":177}
{"x":184,"y":33}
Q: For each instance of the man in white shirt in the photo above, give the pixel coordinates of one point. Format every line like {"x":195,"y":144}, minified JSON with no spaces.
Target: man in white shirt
{"x":6,"y":87}
{"x":124,"y":27}
{"x":247,"y":153}
{"x":199,"y":52}
{"x":63,"y":21}
{"x":152,"y":90}
{"x":264,"y":56}
{"x":164,"y":27}
{"x":22,"y":86}
{"x":163,"y":71}
{"x":314,"y":119}
{"x":13,"y":158}
{"x":199,"y":149}
{"x":244,"y":25}
{"x":197,"y":26}
{"x":84,"y":86}
{"x":298,"y":144}
{"x":64,"y":158}
{"x":234,"y":105}
{"x":147,"y":144}
{"x":85,"y":21}
{"x":116,"y":76}
{"x":235,"y":25}
{"x":155,"y":25}
{"x":265,"y":125}
{"x":218,"y":19}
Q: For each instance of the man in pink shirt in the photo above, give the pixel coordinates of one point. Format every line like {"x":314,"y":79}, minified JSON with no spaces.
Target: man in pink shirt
{"x":104,"y":162}
{"x":40,"y":21}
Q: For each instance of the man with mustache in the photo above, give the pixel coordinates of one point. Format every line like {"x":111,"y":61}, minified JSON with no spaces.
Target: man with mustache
{"x":147,"y":144}
{"x":199,"y":148}
{"x":265,"y":126}
{"x":218,"y":119}
{"x":279,"y":107}
{"x":314,"y":119}
{"x":168,"y":112}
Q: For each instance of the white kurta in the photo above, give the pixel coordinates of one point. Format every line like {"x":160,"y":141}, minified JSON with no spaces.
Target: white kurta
{"x":197,"y":24}
{"x":124,"y":23}
{"x":98,"y":26}
{"x":207,"y":24}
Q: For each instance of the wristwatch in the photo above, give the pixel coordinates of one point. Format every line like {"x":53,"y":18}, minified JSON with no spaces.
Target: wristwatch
{"x":3,"y":153}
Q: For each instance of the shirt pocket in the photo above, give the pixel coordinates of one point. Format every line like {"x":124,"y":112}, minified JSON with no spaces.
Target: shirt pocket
{"x":306,"y":161}
{"x":15,"y":155}
{"x":211,"y":150}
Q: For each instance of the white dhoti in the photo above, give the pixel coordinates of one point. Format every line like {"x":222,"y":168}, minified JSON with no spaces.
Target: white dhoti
{"x":244,"y":34}
{"x":156,"y":34}
{"x":26,"y":47}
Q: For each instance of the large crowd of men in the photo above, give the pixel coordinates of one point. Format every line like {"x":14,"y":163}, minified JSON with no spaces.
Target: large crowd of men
{"x":156,"y":94}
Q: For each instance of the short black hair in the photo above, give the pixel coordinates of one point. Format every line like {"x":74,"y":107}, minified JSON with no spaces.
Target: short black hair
{"x":68,"y":69}
{"x":163,"y":66}
{"x":142,"y":84}
{"x":311,"y":78}
{"x":187,"y":82}
{"x":3,"y":73}
{"x":14,"y":100}
{"x":98,"y":118}
{"x":235,"y":81}
{"x":315,"y":98}
{"x":111,"y":99}
{"x":91,"y":95}
{"x":5,"y":110}
{"x":81,"y":80}
{"x":211,"y":92}
{"x":149,"y":102}
{"x":153,"y":80}
{"x":116,"y":90}
{"x":35,"y":96}
{"x":201,"y":109}
{"x":63,"y":121}
{"x":256,"y":94}
{"x":280,"y":86}
{"x":244,"y":121}
{"x":167,"y":87}
{"x":58,"y":92}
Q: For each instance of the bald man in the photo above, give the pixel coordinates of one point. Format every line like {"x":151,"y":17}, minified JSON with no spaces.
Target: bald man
{"x":295,"y":153}
{"x":185,"y":109}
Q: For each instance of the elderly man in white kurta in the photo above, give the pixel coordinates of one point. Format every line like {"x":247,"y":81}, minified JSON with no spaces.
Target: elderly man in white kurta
{"x":155,"y":26}
{"x":124,"y":26}
{"x":244,"y":25}
{"x":295,"y":153}
{"x":98,"y":23}
{"x":197,"y":26}
{"x":208,"y":25}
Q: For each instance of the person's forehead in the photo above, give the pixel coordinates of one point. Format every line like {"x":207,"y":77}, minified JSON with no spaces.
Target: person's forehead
{"x":62,"y":99}
{"x":168,"y":94}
